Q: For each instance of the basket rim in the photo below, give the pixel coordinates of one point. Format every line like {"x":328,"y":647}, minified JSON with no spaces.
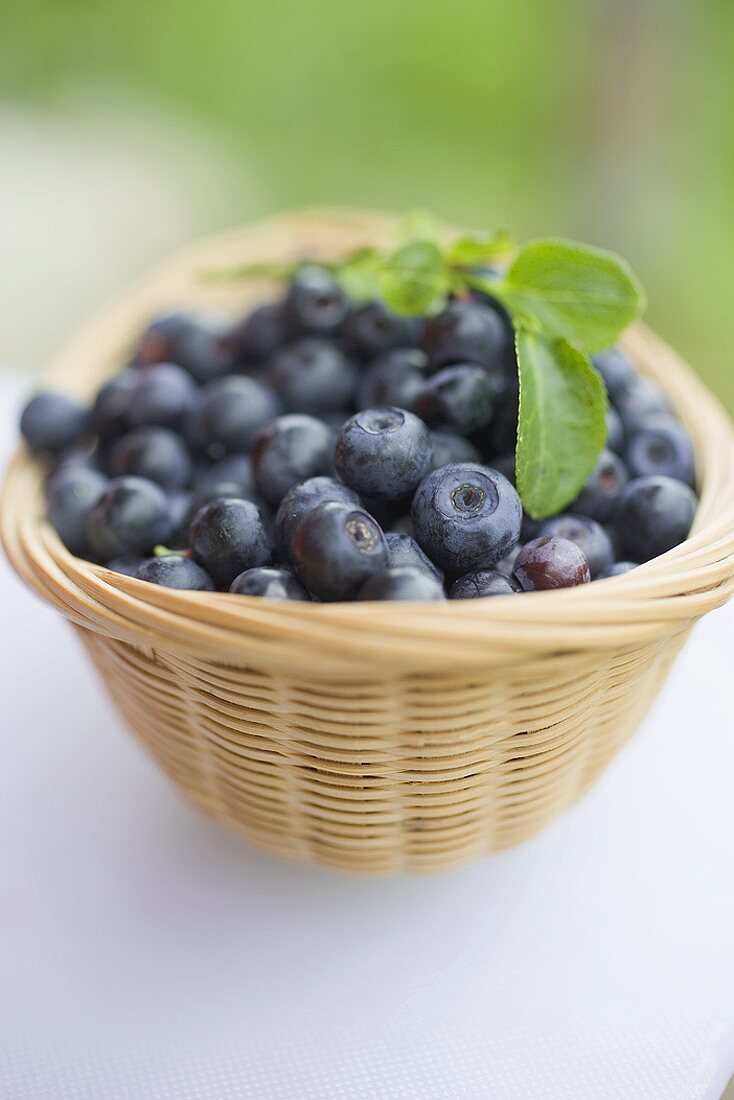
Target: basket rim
{"x":658,"y":598}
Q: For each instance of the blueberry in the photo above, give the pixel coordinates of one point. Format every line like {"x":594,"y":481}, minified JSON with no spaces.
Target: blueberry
{"x":52,"y":421}
{"x":163,"y":394}
{"x":175,"y":571}
{"x":458,"y":397}
{"x":448,"y":447}
{"x":395,"y":378}
{"x":661,"y":445}
{"x":639,"y":401}
{"x":302,"y":499}
{"x":230,"y":412}
{"x":617,"y":371}
{"x":483,"y":582}
{"x":261,"y":333}
{"x":130,"y":517}
{"x":652,"y":515}
{"x":127,"y":565}
{"x":615,"y":431}
{"x":619,"y":568}
{"x":228,"y":536}
{"x":383,"y":453}
{"x":205,"y":348}
{"x":70,"y":496}
{"x":602,"y":488}
{"x":314,"y":303}
{"x":337,"y":548}
{"x":404,"y":550}
{"x":313,"y":376}
{"x":231,"y":476}
{"x":467,"y":332}
{"x":466,"y":517}
{"x":155,"y":453}
{"x":402,"y":582}
{"x":275,"y":584}
{"x":109,"y":414}
{"x":288,"y":450}
{"x":586,"y":533}
{"x":372,"y":329}
{"x":161,"y":340}
{"x":551,"y":563}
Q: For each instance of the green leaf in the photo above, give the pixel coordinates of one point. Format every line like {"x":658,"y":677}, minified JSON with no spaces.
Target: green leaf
{"x":415,"y":280}
{"x":481,"y":248}
{"x":564,"y":289}
{"x":562,"y":423}
{"x":358,"y":276}
{"x":419,"y":225}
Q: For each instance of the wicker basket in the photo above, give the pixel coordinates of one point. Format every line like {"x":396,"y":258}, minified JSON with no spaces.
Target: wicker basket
{"x":375,"y":737}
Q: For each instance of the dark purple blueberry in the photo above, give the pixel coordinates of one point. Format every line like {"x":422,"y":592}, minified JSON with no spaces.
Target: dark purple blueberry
{"x":52,"y":421}
{"x":404,"y":550}
{"x":619,"y":568}
{"x":468,"y":332}
{"x":109,"y":414}
{"x":372,"y":329}
{"x":205,"y":348}
{"x":652,"y":515}
{"x":393,"y":379}
{"x":302,"y":499}
{"x":275,"y":584}
{"x":70,"y":496}
{"x":336,"y":549}
{"x":230,"y":412}
{"x":617,"y":371}
{"x":161,"y":340}
{"x":313,"y":376}
{"x":231,"y":476}
{"x":615,"y":431}
{"x":484,"y":582}
{"x":661,"y":445}
{"x":551,"y":563}
{"x":639,"y":401}
{"x":604,"y":485}
{"x":261,"y":333}
{"x":228,"y":536}
{"x":288,"y":450}
{"x":175,"y":571}
{"x":402,"y":582}
{"x":130,"y":517}
{"x":466,"y":517}
{"x":155,"y":453}
{"x":383,"y":453}
{"x":458,"y":398}
{"x":128,"y":565}
{"x":314,"y":303}
{"x":448,"y":448}
{"x":586,"y":533}
{"x":163,"y":394}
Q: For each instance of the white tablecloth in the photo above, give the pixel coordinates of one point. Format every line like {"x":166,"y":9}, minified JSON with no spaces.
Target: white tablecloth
{"x":147,"y":955}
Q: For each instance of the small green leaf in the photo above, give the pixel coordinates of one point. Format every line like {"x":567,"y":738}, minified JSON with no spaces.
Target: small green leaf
{"x":358,"y":276}
{"x":562,"y":423}
{"x":570,"y":290}
{"x":481,"y":248}
{"x":419,"y":225}
{"x":415,"y":280}
{"x":161,"y":551}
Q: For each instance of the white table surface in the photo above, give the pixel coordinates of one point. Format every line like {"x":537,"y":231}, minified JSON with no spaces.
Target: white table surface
{"x":147,"y":955}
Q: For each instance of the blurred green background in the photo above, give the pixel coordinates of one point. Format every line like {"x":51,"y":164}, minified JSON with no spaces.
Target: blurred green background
{"x":127,"y":127}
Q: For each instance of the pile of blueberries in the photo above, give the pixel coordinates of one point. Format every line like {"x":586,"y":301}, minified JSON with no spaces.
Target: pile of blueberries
{"x":321,"y":450}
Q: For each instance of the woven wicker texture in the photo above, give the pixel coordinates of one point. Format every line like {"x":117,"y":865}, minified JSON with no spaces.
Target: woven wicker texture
{"x":374,"y":737}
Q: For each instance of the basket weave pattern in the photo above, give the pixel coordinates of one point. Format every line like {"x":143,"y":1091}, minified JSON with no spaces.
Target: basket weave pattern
{"x":368,"y":737}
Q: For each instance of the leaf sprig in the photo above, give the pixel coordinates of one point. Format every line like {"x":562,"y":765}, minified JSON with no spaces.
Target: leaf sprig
{"x":567,"y":301}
